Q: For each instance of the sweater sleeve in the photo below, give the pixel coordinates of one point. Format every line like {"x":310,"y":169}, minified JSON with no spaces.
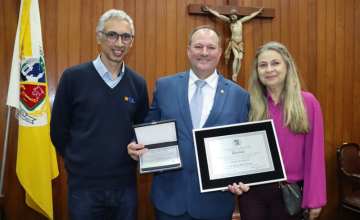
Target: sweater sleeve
{"x":61,"y":115}
{"x":314,"y":167}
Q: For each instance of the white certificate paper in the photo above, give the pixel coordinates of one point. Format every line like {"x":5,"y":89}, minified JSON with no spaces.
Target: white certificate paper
{"x":160,"y":157}
{"x":161,"y":140}
{"x":238,"y":155}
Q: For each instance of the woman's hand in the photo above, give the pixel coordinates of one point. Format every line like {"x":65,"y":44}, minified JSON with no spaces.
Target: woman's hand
{"x":238,"y":190}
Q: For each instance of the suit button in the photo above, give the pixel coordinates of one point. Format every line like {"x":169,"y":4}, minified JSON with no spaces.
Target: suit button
{"x":191,"y":172}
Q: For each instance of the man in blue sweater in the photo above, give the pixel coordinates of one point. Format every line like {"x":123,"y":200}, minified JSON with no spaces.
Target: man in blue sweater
{"x":95,"y":105}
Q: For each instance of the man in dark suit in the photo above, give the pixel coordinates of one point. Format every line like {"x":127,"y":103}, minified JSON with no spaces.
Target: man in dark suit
{"x":176,"y":194}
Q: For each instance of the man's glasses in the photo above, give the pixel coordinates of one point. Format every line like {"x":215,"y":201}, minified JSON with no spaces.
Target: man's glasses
{"x":112,"y":37}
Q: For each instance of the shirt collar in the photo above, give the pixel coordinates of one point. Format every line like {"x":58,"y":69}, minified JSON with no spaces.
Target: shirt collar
{"x":211,"y":80}
{"x":270,"y":98}
{"x":101,"y":68}
{"x":268,"y":95}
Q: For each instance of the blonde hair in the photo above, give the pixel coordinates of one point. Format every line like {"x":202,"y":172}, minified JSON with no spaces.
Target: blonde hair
{"x":292,"y":102}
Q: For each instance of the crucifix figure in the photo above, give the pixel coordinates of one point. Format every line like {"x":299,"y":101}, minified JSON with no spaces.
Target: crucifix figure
{"x":235,"y":43}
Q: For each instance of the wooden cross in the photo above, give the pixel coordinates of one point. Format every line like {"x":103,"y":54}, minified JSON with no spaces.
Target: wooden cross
{"x":235,"y":44}
{"x":225,"y":9}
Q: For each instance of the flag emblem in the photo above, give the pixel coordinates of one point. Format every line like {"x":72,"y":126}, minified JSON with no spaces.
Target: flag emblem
{"x":32,"y":70}
{"x":32,"y":95}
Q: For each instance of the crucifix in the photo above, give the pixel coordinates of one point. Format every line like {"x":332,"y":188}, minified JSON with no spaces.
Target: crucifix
{"x":231,"y":15}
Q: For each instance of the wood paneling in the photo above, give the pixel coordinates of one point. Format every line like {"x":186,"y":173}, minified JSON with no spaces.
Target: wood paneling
{"x":323,"y":36}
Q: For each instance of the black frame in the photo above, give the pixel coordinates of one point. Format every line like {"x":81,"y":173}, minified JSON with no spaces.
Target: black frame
{"x":207,"y":185}
{"x":159,"y":145}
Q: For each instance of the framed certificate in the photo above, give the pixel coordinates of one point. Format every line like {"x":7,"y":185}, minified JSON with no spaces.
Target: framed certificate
{"x":245,"y":152}
{"x":162,"y":141}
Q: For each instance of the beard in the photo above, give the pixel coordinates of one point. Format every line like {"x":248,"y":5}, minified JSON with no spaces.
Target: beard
{"x":233,"y":20}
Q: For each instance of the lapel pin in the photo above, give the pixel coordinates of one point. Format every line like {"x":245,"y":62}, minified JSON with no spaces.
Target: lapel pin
{"x":222,"y":91}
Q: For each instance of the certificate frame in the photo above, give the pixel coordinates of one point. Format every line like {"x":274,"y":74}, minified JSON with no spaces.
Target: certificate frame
{"x":159,"y":137}
{"x":208,"y":184}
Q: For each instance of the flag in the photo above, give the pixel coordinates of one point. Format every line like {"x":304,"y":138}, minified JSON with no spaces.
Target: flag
{"x":36,"y":162}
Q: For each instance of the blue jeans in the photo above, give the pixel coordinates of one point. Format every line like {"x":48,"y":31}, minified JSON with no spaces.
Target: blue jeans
{"x":118,"y":204}
{"x":163,"y":216}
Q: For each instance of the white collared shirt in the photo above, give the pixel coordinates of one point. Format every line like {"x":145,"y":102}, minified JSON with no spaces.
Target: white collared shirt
{"x":106,"y":75}
{"x":208,"y":91}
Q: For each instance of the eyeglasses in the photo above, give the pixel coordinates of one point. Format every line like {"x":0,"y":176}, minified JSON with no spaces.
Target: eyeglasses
{"x":112,"y":37}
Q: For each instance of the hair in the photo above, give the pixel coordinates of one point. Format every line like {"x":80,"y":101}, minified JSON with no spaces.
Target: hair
{"x":114,"y":14}
{"x":233,"y":12}
{"x":204,"y":27}
{"x":292,"y":102}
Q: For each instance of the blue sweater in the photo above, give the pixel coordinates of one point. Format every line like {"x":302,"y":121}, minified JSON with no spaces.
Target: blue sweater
{"x":91,"y":126}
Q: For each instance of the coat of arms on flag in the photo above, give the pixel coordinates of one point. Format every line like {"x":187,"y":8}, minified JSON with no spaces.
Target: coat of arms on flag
{"x":33,"y":108}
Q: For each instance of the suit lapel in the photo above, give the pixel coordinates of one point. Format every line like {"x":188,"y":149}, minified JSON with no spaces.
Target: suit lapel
{"x":219,"y":101}
{"x":182,"y":90}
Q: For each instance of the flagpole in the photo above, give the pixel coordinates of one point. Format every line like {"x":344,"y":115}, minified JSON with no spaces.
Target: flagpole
{"x":4,"y":150}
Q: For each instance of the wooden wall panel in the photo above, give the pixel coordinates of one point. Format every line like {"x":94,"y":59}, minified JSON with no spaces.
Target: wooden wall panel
{"x":3,"y":80}
{"x":75,"y":31}
{"x":294,"y":35}
{"x":140,"y":48}
{"x":181,"y":36}
{"x":276,"y":21}
{"x":161,"y":46}
{"x":86,"y":30}
{"x":119,"y":4}
{"x":150,"y":43}
{"x":258,"y":35}
{"x":308,"y":54}
{"x":129,"y":7}
{"x":266,"y":23}
{"x":323,"y":36}
{"x":248,"y":39}
{"x":356,"y":82}
{"x":170,"y":37}
{"x":200,"y":20}
{"x":285,"y":22}
{"x":303,"y":56}
{"x":348,"y":68}
{"x":110,"y":4}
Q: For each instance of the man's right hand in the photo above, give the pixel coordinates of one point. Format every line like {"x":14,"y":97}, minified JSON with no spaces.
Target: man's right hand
{"x":135,"y":150}
{"x":205,"y":8}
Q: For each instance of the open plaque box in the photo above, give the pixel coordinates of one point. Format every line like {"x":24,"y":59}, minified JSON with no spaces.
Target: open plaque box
{"x":245,"y":152}
{"x":162,"y":141}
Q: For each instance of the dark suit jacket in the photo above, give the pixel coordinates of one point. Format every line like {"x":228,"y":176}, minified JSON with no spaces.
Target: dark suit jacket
{"x":175,"y":192}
